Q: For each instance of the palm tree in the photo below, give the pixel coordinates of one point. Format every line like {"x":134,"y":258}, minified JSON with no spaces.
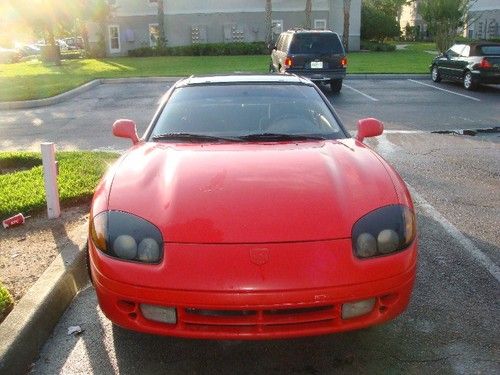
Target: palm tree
{"x":347,"y":19}
{"x":308,"y":24}
{"x":269,"y":26}
{"x":161,"y":43}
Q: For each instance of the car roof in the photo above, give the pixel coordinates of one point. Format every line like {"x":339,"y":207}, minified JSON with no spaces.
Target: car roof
{"x":243,"y":78}
{"x":308,"y":31}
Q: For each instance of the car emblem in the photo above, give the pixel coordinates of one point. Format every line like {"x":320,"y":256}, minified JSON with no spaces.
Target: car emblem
{"x":259,"y":256}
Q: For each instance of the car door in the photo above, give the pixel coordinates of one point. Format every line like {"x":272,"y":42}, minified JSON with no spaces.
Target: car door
{"x":457,"y":62}
{"x":447,"y":61}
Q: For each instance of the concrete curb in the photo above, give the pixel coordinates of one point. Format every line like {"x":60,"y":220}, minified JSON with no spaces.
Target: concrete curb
{"x":28,"y":104}
{"x":28,"y":326}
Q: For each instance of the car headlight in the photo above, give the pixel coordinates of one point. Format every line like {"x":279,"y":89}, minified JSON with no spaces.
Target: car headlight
{"x":126,"y":236}
{"x":384,"y":231}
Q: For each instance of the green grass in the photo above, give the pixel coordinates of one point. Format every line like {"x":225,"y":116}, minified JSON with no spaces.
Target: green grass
{"x":21,"y":181}
{"x":6,"y":302}
{"x":413,"y":59}
{"x":34,"y":80}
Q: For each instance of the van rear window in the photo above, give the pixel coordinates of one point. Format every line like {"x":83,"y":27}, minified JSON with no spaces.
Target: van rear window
{"x":308,"y":44}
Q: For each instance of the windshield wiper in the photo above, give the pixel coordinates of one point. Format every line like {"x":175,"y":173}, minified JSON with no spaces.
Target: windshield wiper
{"x":279,"y":137}
{"x":192,"y":137}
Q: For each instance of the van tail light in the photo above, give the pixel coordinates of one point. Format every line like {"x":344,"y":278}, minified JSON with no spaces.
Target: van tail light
{"x":485,"y":64}
{"x":288,"y":62}
{"x":344,"y":62}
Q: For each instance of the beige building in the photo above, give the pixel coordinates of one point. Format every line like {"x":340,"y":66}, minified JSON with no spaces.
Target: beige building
{"x":411,"y":17}
{"x":134,"y":23}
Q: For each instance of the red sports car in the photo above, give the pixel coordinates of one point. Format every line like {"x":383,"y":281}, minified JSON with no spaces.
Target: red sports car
{"x":247,"y":211}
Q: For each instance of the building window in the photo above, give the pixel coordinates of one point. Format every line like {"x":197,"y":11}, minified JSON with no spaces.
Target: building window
{"x":154,"y":34}
{"x":277,"y":26}
{"x":320,"y":24}
{"x":114,"y":38}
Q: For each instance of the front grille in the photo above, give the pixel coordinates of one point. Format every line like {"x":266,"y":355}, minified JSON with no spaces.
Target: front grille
{"x":257,"y":319}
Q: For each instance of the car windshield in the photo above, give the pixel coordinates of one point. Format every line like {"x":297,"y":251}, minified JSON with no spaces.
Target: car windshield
{"x":239,"y":112}
{"x":307,"y":44}
{"x":490,"y":50}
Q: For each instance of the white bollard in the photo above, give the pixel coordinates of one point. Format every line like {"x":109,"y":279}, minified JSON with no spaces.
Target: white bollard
{"x":50,"y":179}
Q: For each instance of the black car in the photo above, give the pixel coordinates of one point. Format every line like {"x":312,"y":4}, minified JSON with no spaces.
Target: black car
{"x":315,"y":54}
{"x":473,"y":64}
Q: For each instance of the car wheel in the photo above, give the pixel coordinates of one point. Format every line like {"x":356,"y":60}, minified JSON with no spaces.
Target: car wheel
{"x":436,"y":77}
{"x":469,"y":83}
{"x":336,"y":85}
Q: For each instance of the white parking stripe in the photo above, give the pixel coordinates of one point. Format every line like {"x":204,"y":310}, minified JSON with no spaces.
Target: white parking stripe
{"x":362,"y":93}
{"x":439,"y":88}
{"x":453,"y":231}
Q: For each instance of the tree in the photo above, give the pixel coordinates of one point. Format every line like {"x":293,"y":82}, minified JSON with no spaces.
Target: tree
{"x":347,"y":21}
{"x":376,"y":24}
{"x":390,"y":7}
{"x":44,"y":16}
{"x":308,"y":24}
{"x":444,"y":18}
{"x":269,"y":21}
{"x":161,"y":42}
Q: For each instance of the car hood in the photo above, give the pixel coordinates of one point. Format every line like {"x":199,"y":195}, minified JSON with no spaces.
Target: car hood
{"x":252,"y":193}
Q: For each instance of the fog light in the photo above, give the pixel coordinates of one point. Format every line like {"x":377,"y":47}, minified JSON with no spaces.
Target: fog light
{"x":354,"y":309}
{"x":159,"y":313}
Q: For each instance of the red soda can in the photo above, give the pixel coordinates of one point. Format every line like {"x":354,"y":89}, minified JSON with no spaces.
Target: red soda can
{"x":13,"y":221}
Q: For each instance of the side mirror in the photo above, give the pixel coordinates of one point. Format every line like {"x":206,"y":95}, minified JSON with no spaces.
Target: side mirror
{"x":126,"y":129}
{"x":369,"y":127}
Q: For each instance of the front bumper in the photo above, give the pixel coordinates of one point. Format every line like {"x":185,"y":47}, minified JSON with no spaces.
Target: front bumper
{"x":242,"y":314}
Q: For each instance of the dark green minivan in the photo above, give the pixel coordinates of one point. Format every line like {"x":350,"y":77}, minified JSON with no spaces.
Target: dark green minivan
{"x":315,"y":54}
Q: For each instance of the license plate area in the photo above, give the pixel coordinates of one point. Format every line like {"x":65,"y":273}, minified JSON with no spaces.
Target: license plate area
{"x":316,"y":64}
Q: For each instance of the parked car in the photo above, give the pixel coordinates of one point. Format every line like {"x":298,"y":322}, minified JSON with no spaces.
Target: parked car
{"x":316,"y":54}
{"x":30,"y":50}
{"x":247,"y":211}
{"x":74,"y":43}
{"x":8,"y":56}
{"x":472,"y":64}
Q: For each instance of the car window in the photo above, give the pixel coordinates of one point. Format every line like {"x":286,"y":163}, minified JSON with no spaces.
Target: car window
{"x":490,"y":50}
{"x":241,"y":109}
{"x":456,"y":50}
{"x":286,"y":42}
{"x":279,"y":43}
{"x":308,"y":44}
{"x":465,"y":51}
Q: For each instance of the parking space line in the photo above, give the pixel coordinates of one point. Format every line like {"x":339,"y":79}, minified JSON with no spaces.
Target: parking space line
{"x":441,"y":89}
{"x":362,"y":93}
{"x":453,"y":231}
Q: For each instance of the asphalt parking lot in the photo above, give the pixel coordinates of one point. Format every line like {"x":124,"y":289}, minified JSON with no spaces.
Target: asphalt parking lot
{"x":451,"y":325}
{"x":84,"y":122}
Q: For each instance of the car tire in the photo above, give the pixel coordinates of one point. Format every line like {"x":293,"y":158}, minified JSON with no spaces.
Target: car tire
{"x":336,"y":85}
{"x":469,"y":83}
{"x":435,"y":76}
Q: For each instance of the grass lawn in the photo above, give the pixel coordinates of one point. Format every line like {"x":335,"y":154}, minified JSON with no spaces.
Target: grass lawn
{"x":21,"y":179}
{"x":6,"y":302}
{"x":34,"y":80}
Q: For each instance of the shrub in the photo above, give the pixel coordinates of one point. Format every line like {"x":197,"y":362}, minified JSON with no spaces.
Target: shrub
{"x":377,"y":25}
{"x":377,"y":46}
{"x":209,"y":49}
